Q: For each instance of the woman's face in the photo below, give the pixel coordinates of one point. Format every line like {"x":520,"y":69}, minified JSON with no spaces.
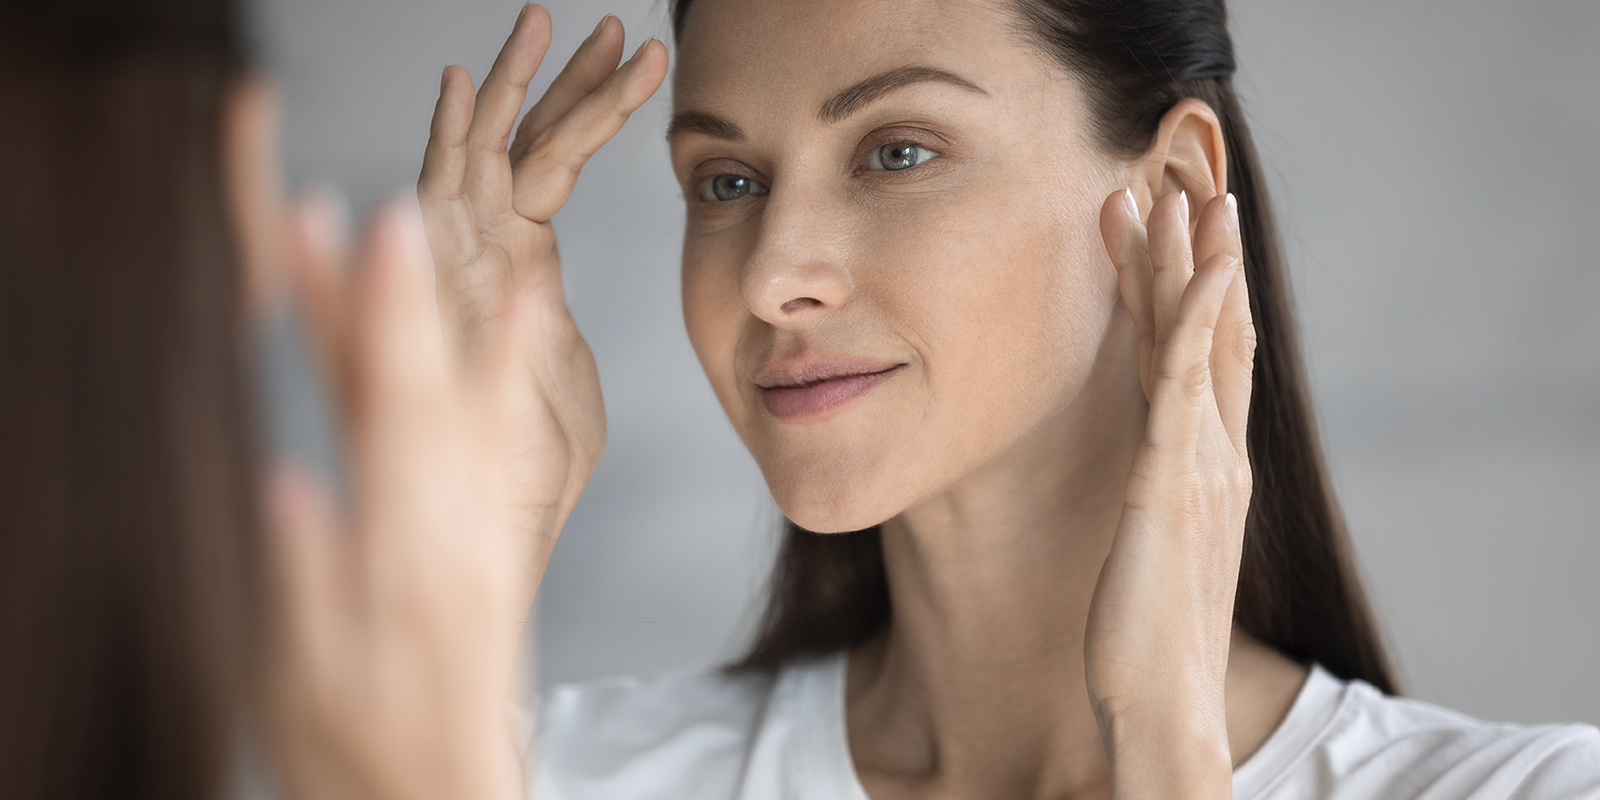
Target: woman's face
{"x":902,"y":196}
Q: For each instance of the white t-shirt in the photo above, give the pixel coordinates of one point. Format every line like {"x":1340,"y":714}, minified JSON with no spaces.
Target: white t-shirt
{"x":707,"y":736}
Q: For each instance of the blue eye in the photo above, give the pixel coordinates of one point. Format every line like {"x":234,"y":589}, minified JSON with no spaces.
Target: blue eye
{"x":898,"y":155}
{"x":721,"y":188}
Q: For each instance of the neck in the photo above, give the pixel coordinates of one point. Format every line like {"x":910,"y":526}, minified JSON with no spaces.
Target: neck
{"x":977,"y":689}
{"x":979,"y":682}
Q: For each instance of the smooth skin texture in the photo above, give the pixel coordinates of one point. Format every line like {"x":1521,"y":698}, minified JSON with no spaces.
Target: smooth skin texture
{"x":1058,"y":466}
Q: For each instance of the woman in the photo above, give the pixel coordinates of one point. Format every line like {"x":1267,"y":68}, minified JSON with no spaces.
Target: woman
{"x":937,"y":268}
{"x":471,"y":427}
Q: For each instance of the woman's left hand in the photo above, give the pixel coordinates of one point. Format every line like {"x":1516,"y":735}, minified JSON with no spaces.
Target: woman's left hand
{"x":393,"y":616}
{"x":1156,"y":646}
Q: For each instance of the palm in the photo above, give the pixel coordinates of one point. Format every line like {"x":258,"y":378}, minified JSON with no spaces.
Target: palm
{"x":488,"y":213}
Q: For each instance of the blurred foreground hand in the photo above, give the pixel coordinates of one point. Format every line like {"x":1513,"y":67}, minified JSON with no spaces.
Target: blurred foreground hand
{"x":468,"y":437}
{"x":394,"y":616}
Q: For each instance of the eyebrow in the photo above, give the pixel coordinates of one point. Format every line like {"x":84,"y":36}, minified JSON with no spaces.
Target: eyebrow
{"x":837,"y":108}
{"x":708,"y":124}
{"x":858,"y":96}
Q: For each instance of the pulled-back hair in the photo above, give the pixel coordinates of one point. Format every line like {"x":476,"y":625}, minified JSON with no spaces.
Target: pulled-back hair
{"x":1299,"y":590}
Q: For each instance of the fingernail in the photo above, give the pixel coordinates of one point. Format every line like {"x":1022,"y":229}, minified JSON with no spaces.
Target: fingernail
{"x":1133,"y":205}
{"x":1233,"y":210}
{"x":600,"y":27}
{"x":1183,"y":207}
{"x":444,"y":78}
{"x":523,"y":12}
{"x":636,"y":53}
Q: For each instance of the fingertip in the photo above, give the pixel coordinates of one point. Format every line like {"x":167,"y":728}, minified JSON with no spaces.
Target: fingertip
{"x":1169,"y":224}
{"x":646,"y":69}
{"x":536,"y":18}
{"x":1119,"y":209}
{"x":324,"y":218}
{"x":411,"y":229}
{"x":646,"y":54}
{"x":1120,"y":227}
{"x":396,"y":243}
{"x":452,"y":75}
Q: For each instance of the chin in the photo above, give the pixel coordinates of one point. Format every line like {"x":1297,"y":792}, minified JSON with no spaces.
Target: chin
{"x":835,"y":504}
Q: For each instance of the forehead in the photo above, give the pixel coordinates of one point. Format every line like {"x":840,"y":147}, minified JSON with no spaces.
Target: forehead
{"x":801,"y":51}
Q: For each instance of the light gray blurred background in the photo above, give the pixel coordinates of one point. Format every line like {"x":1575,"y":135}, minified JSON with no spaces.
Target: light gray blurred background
{"x":1435,"y":166}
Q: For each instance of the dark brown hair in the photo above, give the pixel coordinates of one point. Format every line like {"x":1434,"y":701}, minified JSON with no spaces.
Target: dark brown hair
{"x":126,"y":488}
{"x":1298,"y":587}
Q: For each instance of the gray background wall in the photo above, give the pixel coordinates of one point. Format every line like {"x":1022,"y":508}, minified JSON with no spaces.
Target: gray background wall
{"x":1435,"y":167}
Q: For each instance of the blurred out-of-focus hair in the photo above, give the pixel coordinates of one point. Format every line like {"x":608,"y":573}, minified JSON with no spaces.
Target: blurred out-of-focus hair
{"x":127,"y":500}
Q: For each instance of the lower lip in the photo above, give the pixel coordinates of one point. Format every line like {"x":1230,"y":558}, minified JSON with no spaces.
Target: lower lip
{"x":792,"y":405}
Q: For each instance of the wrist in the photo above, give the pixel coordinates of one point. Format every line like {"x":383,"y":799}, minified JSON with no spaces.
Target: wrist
{"x":1166,"y":750}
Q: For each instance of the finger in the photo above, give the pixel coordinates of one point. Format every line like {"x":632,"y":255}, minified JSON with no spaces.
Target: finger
{"x":1171,"y":261}
{"x":1128,"y":247}
{"x":594,"y":61}
{"x":1217,"y":231}
{"x":321,"y":236}
{"x":546,"y":174}
{"x":1233,"y":346}
{"x":1183,"y":382}
{"x":302,"y":546}
{"x":400,"y":358}
{"x":444,"y":160}
{"x":500,"y":99}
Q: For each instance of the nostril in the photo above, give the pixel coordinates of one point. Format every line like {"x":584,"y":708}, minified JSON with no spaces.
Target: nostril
{"x":798,"y":304}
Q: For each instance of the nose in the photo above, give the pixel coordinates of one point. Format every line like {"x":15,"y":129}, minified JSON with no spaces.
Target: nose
{"x":796,"y":272}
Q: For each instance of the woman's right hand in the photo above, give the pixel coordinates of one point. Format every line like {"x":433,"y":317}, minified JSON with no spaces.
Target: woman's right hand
{"x":471,"y":415}
{"x":487,"y":211}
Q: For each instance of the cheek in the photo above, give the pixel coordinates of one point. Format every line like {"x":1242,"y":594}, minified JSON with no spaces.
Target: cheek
{"x":713,"y":315}
{"x":1009,"y":294}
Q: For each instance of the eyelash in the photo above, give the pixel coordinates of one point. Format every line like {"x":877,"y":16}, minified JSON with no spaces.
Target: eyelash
{"x":705,"y":186}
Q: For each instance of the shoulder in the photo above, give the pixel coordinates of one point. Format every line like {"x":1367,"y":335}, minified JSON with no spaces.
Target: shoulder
{"x":648,"y":738}
{"x":1346,"y":740}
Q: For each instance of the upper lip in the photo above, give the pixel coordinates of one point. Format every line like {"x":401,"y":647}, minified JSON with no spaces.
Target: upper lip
{"x":791,"y":373}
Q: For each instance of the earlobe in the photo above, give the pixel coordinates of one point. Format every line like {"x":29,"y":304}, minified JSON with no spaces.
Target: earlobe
{"x":1189,"y":155}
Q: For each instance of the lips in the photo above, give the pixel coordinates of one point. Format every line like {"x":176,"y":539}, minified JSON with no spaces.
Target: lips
{"x":797,"y":391}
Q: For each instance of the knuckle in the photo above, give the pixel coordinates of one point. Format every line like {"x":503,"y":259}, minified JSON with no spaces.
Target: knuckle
{"x":542,"y":150}
{"x":1192,"y":376}
{"x":1193,"y":379}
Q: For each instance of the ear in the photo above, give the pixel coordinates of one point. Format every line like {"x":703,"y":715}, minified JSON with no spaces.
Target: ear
{"x":1189,"y":155}
{"x":254,"y":175}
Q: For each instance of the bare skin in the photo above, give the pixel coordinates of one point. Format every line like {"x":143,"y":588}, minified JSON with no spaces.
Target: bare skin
{"x":1057,"y":459}
{"x":1025,"y":564}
